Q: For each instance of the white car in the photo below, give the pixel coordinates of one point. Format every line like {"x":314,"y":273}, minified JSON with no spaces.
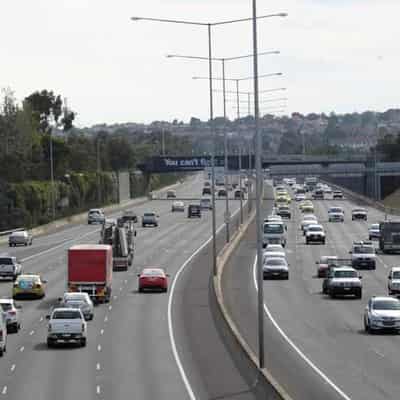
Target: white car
{"x":268,"y":253}
{"x":275,"y":267}
{"x":23,"y":238}
{"x":308,"y":219}
{"x":315,"y":234}
{"x":178,"y":206}
{"x":343,"y":281}
{"x":79,"y":300}
{"x":96,"y":216}
{"x":10,"y":268}
{"x":12,"y":314}
{"x":394,"y":281}
{"x":374,"y":232}
{"x":299,"y":197}
{"x":382,"y":313}
{"x":273,"y":218}
{"x":363,"y":255}
{"x":205,"y":203}
{"x":66,"y":325}
{"x":336,"y":214}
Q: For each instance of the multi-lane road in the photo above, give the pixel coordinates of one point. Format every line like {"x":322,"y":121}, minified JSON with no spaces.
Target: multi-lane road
{"x":134,"y":350}
{"x":316,"y":346}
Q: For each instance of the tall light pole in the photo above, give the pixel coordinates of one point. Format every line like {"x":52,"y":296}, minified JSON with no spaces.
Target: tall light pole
{"x":208,"y":25}
{"x":98,"y":170}
{"x":53,"y":194}
{"x":226,"y":167}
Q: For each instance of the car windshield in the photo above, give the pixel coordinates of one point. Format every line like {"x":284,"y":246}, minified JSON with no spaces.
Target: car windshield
{"x":275,"y":261}
{"x":359,"y":210}
{"x":94,"y":212}
{"x":273,"y":228}
{"x":314,"y":229}
{"x":336,"y":210}
{"x":363,"y":249}
{"x":386,"y":305}
{"x":6,"y":261}
{"x":375,"y":226}
{"x":66,"y":314}
{"x":328,"y":260}
{"x":396,"y":275}
{"x":6,"y":306}
{"x":152,"y":272}
{"x":149,"y":214}
{"x":345,"y":274}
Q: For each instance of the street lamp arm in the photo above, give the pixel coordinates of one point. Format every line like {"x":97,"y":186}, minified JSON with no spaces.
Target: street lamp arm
{"x":249,"y":19}
{"x":174,"y":21}
{"x":251,"y":55}
{"x":239,"y":79}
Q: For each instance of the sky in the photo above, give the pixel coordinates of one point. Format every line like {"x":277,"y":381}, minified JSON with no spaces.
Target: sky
{"x":335,"y":55}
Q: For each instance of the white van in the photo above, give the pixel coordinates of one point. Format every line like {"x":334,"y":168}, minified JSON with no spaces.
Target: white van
{"x":274,"y":232}
{"x":3,"y":333}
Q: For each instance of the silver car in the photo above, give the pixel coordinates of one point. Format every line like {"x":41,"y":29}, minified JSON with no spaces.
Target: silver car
{"x":96,"y":216}
{"x":275,"y":267}
{"x":20,"y":238}
{"x":78,"y":300}
{"x":12,"y":313}
{"x":382,"y":313}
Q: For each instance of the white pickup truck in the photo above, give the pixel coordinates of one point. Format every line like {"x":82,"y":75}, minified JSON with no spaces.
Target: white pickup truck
{"x":10,"y":268}
{"x":66,"y":325}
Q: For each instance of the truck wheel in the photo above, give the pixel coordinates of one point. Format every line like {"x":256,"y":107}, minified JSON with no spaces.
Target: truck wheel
{"x":50,"y":343}
{"x":83,"y":342}
{"x":359,"y":294}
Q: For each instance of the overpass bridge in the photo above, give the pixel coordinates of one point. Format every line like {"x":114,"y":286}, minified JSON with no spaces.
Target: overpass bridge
{"x":358,"y":172}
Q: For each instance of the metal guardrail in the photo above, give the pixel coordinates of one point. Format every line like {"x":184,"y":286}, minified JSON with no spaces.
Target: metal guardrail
{"x":5,"y":233}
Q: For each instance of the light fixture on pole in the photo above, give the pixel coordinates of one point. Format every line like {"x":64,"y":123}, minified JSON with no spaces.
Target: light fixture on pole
{"x":208,"y":25}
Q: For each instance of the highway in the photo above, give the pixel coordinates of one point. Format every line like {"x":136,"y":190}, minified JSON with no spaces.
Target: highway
{"x":316,"y":347}
{"x":129,"y":352}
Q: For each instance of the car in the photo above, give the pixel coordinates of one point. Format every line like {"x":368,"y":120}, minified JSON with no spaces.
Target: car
{"x":268,"y":253}
{"x":238,"y":194}
{"x":171,"y":194}
{"x":323,"y":265}
{"x":315,"y":234}
{"x":284,"y":212}
{"x":29,"y":285}
{"x":273,"y":218}
{"x":363,"y":255}
{"x":3,"y":336}
{"x":66,"y":325}
{"x":206,"y":191}
{"x":205,"y":203}
{"x":152,"y":278}
{"x":274,"y":233}
{"x":318,"y":194}
{"x":343,"y":281}
{"x":178,"y":206}
{"x":335,"y":214}
{"x":337,"y":194}
{"x":10,"y":267}
{"x":359,"y":213}
{"x":374,"y":232}
{"x":308,"y":219}
{"x":222,"y":193}
{"x":129,"y":215}
{"x":382,"y":313}
{"x":17,"y":238}
{"x":307,"y":208}
{"x":79,"y":300}
{"x":194,"y":210}
{"x":96,"y":216}
{"x":149,"y":218}
{"x":394,"y":281}
{"x":12,"y":313}
{"x":207,"y":184}
{"x":275,"y":267}
{"x":276,"y":247}
{"x":299,"y":197}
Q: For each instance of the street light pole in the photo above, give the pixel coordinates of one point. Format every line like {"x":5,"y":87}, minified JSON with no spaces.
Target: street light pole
{"x":240,"y":184}
{"x":53,"y":195}
{"x":98,"y":171}
{"x":258,"y":195}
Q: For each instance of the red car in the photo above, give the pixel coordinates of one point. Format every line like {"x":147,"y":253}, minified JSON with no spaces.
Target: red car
{"x":153,"y":278}
{"x":323,"y":265}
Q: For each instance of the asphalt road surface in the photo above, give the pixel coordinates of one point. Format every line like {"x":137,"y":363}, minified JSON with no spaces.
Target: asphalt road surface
{"x":316,"y":347}
{"x":129,"y":352}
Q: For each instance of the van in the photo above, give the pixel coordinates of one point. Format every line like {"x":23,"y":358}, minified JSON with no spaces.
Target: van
{"x":274,"y":232}
{"x":205,"y":203}
{"x":3,"y":333}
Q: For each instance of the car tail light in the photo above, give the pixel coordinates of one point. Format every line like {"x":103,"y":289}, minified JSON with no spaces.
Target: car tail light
{"x":12,"y":313}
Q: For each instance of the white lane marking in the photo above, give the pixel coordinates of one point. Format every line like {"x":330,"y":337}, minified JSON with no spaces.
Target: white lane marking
{"x":105,"y":318}
{"x":125,"y":281}
{"x":110,"y":307}
{"x":31,"y":333}
{"x":120,"y":288}
{"x":41,"y":319}
{"x":169,"y":312}
{"x":12,"y":367}
{"x":98,"y":390}
{"x":102,"y":332}
{"x":4,"y":391}
{"x":98,"y":367}
{"x":294,"y":347}
{"x":377,"y":352}
{"x":99,"y":347}
{"x":22,"y":349}
{"x":59,"y":245}
{"x":115,"y":297}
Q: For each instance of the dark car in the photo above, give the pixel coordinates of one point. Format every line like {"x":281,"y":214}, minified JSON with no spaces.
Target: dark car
{"x":318,"y":194}
{"x":149,"y":218}
{"x":207,"y":190}
{"x":238,"y":194}
{"x":337,"y":194}
{"x":222,"y":193}
{"x":129,"y":215}
{"x":284,"y":212}
{"x":194,"y":210}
